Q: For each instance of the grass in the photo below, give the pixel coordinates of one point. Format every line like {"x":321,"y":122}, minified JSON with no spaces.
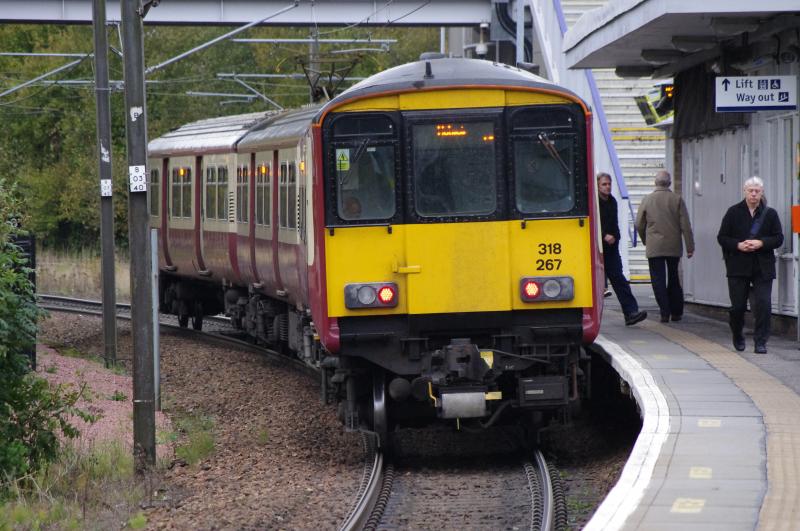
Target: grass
{"x":79,"y":274}
{"x":198,"y":437}
{"x":90,"y":488}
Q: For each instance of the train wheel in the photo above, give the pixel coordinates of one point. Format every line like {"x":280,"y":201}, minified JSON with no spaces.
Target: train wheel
{"x":380,"y":417}
{"x":197,"y":316}
{"x":183,"y":321}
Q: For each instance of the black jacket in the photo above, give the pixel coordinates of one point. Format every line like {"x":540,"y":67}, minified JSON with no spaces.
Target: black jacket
{"x":608,"y":218}
{"x":735,"y":228}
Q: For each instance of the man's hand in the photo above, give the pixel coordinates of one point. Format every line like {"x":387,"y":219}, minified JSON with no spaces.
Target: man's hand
{"x":689,"y":254}
{"x":748,"y":246}
{"x":609,"y":239}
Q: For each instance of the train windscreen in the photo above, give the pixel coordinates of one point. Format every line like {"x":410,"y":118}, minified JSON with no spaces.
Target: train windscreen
{"x":454,"y":168}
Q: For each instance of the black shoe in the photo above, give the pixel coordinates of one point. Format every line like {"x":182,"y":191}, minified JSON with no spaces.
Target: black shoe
{"x":677,"y":317}
{"x":760,"y":349}
{"x":665,"y":318}
{"x":634,"y":318}
{"x":738,"y":343}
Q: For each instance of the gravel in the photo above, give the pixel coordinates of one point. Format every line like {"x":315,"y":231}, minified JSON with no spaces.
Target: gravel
{"x":281,"y":459}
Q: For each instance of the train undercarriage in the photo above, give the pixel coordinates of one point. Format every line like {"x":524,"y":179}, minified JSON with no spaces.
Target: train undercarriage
{"x":412,"y":371}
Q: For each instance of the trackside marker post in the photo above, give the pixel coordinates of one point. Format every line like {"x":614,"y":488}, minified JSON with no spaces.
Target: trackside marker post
{"x":144,"y":433}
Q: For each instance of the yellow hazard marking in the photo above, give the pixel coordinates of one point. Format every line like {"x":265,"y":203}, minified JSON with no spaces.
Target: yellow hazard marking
{"x":488,"y":357}
{"x":688,"y":505}
{"x":493,"y":395}
{"x":700,"y":472}
{"x":342,"y":160}
{"x":709,"y":423}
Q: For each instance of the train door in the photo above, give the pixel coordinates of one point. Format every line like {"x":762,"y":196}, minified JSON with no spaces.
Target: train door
{"x":457,"y":247}
{"x":198,"y":186}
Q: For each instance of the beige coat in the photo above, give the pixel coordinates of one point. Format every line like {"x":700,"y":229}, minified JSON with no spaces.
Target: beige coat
{"x":661,"y":220}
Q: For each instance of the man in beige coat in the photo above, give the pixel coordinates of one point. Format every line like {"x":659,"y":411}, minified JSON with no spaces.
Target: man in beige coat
{"x":660,"y":222}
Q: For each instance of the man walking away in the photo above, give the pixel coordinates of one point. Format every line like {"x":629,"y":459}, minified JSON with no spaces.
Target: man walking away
{"x":660,"y":222}
{"x":749,"y":234}
{"x":609,"y":226}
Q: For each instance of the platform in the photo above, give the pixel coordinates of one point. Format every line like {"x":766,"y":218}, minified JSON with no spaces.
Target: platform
{"x":720,"y":442}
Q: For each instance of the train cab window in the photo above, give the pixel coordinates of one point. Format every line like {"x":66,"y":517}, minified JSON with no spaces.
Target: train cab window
{"x":454,"y":168}
{"x":155,"y":192}
{"x":211,"y":192}
{"x":181,"y":205}
{"x":545,"y":150}
{"x":263,"y":198}
{"x":242,"y":193}
{"x":363,"y":161}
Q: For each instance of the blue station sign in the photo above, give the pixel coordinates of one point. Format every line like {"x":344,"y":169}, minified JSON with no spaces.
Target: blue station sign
{"x":756,"y":93}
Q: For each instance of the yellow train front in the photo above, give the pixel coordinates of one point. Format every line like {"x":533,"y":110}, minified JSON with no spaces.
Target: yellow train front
{"x":461,"y":270}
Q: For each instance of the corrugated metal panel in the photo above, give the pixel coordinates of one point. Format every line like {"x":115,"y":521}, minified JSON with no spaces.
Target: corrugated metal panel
{"x":210,"y":135}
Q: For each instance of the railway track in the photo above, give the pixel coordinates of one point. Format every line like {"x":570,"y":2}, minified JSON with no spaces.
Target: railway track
{"x":502,"y":492}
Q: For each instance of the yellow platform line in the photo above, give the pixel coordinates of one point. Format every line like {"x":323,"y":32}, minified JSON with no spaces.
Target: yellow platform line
{"x":780,"y":407}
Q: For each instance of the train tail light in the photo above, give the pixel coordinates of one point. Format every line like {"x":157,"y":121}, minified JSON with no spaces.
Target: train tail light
{"x":371,"y":295}
{"x":545,"y":289}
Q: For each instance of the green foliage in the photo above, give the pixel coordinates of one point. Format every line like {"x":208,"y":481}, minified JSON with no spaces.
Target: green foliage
{"x":119,"y":396}
{"x":138,"y":521}
{"x":31,"y":413}
{"x":198,"y":436}
{"x":49,"y":131}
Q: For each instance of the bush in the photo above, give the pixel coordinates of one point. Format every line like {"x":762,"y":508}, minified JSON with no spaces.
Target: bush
{"x":32,"y":415}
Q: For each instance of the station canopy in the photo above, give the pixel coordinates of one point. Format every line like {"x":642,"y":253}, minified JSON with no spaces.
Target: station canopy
{"x":658,"y":38}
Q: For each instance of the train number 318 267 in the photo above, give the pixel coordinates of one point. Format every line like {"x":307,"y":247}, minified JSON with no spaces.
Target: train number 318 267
{"x":549,"y":264}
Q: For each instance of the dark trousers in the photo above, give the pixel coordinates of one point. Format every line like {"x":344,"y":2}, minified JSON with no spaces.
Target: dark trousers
{"x":666,"y":284}
{"x":622,"y":289}
{"x":740,"y":289}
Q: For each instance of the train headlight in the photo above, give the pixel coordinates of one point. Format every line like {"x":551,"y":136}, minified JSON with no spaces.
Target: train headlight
{"x":366,"y":295}
{"x":371,"y":295}
{"x":543,"y":289}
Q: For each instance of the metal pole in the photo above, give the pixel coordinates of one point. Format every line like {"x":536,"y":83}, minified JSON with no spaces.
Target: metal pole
{"x":520,"y":15}
{"x":144,"y":433}
{"x":104,"y":170}
{"x":313,"y":64}
{"x":156,"y":323}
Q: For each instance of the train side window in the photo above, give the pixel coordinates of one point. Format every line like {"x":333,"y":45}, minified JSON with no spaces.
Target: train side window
{"x":186,"y":193}
{"x":175,"y":190}
{"x":211,"y":192}
{"x":242,"y":196}
{"x":284,"y":194}
{"x":181,"y":189}
{"x":262,"y":194}
{"x":363,"y":162}
{"x":222,"y":193}
{"x":291,"y":200}
{"x":155,"y":192}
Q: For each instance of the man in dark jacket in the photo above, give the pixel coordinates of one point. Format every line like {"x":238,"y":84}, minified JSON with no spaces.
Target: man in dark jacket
{"x":749,"y":234}
{"x":609,"y":226}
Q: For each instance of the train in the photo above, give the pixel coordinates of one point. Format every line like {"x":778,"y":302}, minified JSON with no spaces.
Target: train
{"x":428,"y":239}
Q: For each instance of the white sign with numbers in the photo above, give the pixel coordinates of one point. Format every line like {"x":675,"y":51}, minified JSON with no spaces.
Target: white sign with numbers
{"x":105,"y":188}
{"x":137,"y":178}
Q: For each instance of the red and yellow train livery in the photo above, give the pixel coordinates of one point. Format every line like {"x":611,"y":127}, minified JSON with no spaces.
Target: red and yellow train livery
{"x":428,"y":239}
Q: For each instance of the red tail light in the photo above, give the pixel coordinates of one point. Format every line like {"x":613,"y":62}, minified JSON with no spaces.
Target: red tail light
{"x":530,"y":290}
{"x":386,"y":294}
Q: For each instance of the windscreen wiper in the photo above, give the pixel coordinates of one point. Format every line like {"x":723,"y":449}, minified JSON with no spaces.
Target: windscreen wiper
{"x":553,"y":152}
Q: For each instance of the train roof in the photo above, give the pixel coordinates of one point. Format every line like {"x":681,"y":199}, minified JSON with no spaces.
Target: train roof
{"x":446,"y":72}
{"x":208,"y":136}
{"x":284,"y":128}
